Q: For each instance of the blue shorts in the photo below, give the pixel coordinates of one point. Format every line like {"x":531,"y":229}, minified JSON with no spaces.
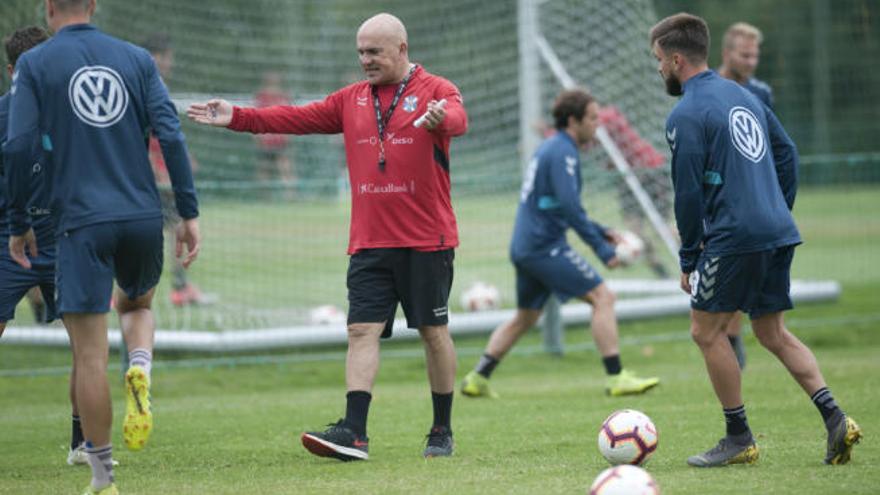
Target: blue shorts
{"x":90,"y":257}
{"x":755,"y":283}
{"x":15,"y":281}
{"x":563,"y":271}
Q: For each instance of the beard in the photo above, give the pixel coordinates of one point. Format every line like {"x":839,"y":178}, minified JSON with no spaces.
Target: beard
{"x":673,"y":85}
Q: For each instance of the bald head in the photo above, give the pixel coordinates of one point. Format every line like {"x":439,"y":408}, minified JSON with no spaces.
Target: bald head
{"x":382,"y":49}
{"x":386,"y":26}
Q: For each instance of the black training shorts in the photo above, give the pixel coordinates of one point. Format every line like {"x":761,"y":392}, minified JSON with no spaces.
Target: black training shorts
{"x":380,"y":278}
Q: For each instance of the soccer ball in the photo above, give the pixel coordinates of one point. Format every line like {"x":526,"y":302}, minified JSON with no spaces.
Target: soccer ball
{"x":630,"y":248}
{"x":627,"y":437}
{"x":327,"y":314}
{"x":624,"y":480}
{"x":480,"y":297}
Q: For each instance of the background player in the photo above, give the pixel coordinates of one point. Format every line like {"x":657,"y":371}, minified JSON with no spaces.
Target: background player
{"x":734,"y":172}
{"x":740,"y":55}
{"x":402,"y":241}
{"x":91,"y":98}
{"x":183,"y":291}
{"x":549,"y":204}
{"x":273,"y":148}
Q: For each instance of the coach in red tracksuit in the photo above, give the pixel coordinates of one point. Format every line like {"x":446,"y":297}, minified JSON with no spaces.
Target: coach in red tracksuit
{"x":403,"y":229}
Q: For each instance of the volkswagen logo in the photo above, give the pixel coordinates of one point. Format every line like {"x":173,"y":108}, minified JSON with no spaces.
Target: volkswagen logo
{"x":98,"y":95}
{"x":746,"y":134}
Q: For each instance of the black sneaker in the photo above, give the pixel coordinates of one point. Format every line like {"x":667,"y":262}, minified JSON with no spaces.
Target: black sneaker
{"x":338,"y":441}
{"x":439,"y":442}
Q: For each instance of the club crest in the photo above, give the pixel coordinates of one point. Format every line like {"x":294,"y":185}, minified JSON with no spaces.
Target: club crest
{"x":410,"y":103}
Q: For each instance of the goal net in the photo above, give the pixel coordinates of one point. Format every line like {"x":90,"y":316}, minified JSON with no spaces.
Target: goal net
{"x":275,"y":218}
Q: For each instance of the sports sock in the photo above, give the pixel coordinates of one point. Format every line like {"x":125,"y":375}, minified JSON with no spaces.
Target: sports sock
{"x":486,"y":365}
{"x":825,"y":403}
{"x":101,"y":461}
{"x":357,"y":406}
{"x":612,"y":364}
{"x":76,"y":432}
{"x":141,"y":357}
{"x":737,"y":425}
{"x":442,"y":409}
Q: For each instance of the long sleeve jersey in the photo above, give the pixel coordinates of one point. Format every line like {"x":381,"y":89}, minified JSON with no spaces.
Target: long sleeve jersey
{"x":38,"y":205}
{"x":407,"y":203}
{"x":94,"y":99}
{"x":550,"y":203}
{"x":734,"y":171}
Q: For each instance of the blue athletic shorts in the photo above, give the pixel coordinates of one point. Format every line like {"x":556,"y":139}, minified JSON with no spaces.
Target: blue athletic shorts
{"x":563,"y":271}
{"x":90,"y":257}
{"x":15,"y":281}
{"x":755,"y":283}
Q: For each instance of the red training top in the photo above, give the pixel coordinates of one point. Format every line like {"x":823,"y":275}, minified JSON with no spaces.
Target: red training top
{"x":407,"y":205}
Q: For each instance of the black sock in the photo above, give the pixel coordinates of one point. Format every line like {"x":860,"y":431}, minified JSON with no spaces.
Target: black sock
{"x":357,"y":407}
{"x":486,"y":365}
{"x":442,"y":409}
{"x":737,"y":424}
{"x":76,"y":433}
{"x":612,"y":364}
{"x":825,"y":403}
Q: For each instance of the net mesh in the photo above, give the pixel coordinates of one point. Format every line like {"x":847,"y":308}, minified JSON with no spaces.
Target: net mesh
{"x":275,"y":239}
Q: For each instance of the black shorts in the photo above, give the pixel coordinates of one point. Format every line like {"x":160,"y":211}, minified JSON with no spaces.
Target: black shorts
{"x":380,"y":278}
{"x":90,"y":257}
{"x":755,"y":283}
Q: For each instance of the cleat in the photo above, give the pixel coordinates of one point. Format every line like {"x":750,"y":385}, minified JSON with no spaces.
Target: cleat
{"x":138,"y":423}
{"x":338,"y":441}
{"x":440,"y":442}
{"x":190,"y":295}
{"x":841,"y":438}
{"x":725,"y":453}
{"x":627,"y":383}
{"x":477,"y":385}
{"x":107,"y":490}
{"x":78,"y":456}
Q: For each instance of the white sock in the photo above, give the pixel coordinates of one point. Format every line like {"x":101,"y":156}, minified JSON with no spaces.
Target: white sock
{"x":141,"y":357}
{"x":101,"y":461}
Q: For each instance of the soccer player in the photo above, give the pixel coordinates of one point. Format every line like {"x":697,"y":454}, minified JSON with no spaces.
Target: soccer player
{"x":272,"y":148}
{"x":183,"y":292}
{"x":91,"y":99}
{"x":649,"y":165}
{"x":734,"y":172}
{"x":403,"y":230}
{"x":740,"y":54}
{"x":549,"y":204}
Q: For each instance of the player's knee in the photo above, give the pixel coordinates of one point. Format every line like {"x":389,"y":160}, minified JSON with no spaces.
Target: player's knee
{"x":358,"y":331}
{"x":702,"y":335}
{"x":602,"y":297}
{"x":435,"y":336}
{"x":526,"y":319}
{"x":126,"y":305}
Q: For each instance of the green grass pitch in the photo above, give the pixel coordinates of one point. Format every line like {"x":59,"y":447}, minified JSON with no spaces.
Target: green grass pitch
{"x":232,"y":425}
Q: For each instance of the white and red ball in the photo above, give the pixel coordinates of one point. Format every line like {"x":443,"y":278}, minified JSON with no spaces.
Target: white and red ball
{"x":480,"y":297}
{"x":628,"y":437}
{"x":630,"y":247}
{"x":624,"y":480}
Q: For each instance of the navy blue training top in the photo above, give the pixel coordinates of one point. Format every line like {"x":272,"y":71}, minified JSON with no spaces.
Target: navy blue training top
{"x":550,"y":203}
{"x":94,"y":99}
{"x":38,"y":205}
{"x":734,"y":171}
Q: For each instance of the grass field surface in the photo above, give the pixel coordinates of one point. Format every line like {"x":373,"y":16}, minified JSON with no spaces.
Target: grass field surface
{"x":231,"y":424}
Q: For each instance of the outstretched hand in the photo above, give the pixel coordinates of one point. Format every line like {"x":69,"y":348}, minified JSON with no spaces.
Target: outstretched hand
{"x":213,"y":112}
{"x":435,"y":114}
